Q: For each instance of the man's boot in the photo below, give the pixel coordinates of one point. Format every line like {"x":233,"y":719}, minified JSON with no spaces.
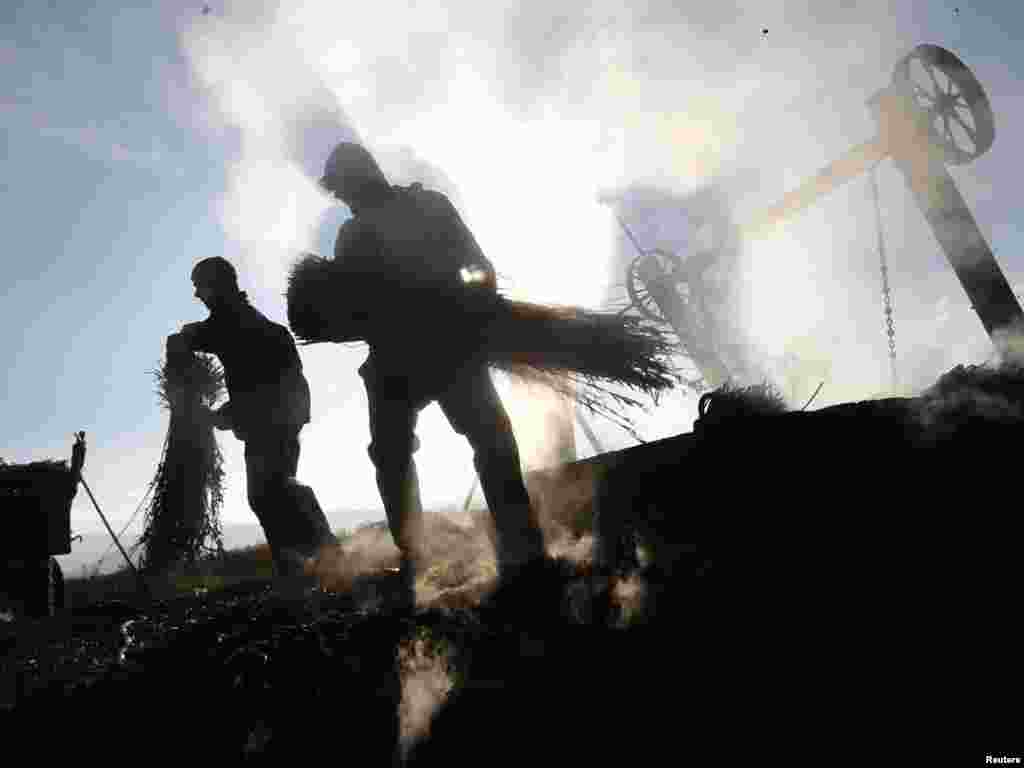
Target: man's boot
{"x":293,"y":586}
{"x":311,"y":517}
{"x":400,"y":490}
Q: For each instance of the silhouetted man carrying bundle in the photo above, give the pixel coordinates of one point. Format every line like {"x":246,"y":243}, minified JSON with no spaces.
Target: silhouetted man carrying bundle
{"x":409,"y":279}
{"x":410,"y":265}
{"x":269,"y":403}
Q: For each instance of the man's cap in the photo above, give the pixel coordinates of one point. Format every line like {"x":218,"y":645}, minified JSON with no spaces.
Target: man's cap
{"x":350,"y":165}
{"x":216,"y":270}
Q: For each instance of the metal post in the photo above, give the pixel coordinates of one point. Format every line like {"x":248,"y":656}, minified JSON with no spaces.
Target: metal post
{"x":110,"y":530}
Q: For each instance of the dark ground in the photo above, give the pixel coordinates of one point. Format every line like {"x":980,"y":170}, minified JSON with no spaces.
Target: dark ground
{"x":869,"y":611}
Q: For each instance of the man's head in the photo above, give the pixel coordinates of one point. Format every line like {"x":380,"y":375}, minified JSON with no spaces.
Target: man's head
{"x":215,"y":279}
{"x":352,"y":175}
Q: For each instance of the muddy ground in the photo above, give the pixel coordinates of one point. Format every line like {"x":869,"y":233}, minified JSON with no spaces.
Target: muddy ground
{"x":868,"y":609}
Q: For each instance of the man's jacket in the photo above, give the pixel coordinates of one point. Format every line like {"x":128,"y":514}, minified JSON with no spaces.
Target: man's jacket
{"x":262,"y":368}
{"x":403,"y":260}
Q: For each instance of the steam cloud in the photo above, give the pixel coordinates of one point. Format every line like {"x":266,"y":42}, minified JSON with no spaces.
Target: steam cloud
{"x":526,"y":113}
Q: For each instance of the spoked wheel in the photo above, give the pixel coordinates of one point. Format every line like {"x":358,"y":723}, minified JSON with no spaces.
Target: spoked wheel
{"x":658,"y":288}
{"x":651,"y":276}
{"x":959,"y":114}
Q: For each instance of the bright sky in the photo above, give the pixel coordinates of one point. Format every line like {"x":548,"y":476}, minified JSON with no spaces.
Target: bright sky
{"x":140,"y":139}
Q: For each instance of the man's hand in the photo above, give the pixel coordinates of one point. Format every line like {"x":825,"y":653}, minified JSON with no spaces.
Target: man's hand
{"x":213,"y":418}
{"x":221,"y":417}
{"x":177,"y":345}
{"x":188,"y":332}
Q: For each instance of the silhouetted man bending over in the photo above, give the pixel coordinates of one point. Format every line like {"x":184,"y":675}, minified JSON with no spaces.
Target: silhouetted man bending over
{"x":411,"y":258}
{"x":268,"y":405}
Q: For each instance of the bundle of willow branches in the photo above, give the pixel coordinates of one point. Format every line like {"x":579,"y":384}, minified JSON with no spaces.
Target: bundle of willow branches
{"x":187,"y":491}
{"x":579,"y":353}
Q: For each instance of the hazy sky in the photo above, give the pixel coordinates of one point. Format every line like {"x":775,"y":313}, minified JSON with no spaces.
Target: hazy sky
{"x":141,"y":138}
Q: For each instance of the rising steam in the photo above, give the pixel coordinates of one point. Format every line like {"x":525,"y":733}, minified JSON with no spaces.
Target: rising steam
{"x":525,"y":113}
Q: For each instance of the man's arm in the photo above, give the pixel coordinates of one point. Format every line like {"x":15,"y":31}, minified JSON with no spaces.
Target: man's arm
{"x":355,"y":252}
{"x":193,"y":337}
{"x":196,"y":336}
{"x":220,"y":418}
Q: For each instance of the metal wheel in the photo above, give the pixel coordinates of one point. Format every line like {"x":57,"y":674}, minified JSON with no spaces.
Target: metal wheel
{"x":654,"y":266}
{"x":959,"y":114}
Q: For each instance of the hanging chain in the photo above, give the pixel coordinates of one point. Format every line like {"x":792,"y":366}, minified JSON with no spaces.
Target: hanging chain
{"x":886,"y":293}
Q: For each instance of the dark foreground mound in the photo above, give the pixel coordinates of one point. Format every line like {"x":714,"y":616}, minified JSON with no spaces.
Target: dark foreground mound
{"x":872,"y":568}
{"x":245,"y":677}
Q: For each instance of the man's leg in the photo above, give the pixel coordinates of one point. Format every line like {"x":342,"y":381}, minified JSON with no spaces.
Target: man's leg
{"x":393,"y":415}
{"x":291,"y":517}
{"x":474,"y":410}
{"x":308,"y":523}
{"x":267,"y":472}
